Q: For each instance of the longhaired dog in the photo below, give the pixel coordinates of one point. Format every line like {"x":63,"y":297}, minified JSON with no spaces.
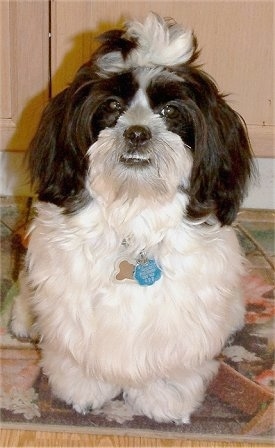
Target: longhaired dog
{"x":133,"y":271}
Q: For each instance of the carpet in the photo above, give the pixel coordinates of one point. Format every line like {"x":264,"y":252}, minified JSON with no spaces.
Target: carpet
{"x":239,"y":402}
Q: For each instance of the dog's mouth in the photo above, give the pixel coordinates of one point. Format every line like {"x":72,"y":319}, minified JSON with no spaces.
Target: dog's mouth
{"x":135,"y":160}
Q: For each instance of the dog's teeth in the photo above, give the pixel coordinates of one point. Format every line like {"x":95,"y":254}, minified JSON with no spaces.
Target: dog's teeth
{"x":135,"y":159}
{"x":136,"y":156}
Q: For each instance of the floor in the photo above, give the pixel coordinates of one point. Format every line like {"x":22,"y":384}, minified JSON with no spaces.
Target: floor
{"x":17,"y":438}
{"x":256,"y":232}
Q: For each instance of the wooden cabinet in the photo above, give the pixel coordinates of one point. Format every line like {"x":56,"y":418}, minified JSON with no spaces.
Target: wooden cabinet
{"x":235,"y":38}
{"x":24,"y":50}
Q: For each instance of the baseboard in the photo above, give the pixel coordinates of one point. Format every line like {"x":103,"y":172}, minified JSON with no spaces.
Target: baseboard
{"x":14,"y":180}
{"x":261,"y":194}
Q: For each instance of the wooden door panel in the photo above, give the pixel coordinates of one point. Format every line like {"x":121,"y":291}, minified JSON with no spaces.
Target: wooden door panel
{"x":24,"y":53}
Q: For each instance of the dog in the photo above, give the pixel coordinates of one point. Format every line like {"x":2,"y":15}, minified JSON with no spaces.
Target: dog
{"x":133,"y":271}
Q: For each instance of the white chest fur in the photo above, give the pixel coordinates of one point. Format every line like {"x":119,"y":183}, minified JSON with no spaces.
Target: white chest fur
{"x":81,"y":307}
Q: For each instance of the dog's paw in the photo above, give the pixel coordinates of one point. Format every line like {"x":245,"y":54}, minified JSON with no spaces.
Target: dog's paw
{"x":18,"y":328}
{"x":86,"y":407}
{"x":21,"y":323}
{"x":163,"y":402}
{"x":72,"y":385}
{"x":83,"y":410}
{"x":22,"y":327}
{"x":182,"y":420}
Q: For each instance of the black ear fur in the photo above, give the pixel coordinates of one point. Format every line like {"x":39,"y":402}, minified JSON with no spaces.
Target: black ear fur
{"x":222,"y":158}
{"x":57,"y":153}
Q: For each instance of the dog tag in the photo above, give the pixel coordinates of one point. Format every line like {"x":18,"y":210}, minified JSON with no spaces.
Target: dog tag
{"x":147,"y":272}
{"x":125,"y":270}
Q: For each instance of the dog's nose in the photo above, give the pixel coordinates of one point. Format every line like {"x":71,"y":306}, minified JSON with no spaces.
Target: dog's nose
{"x":137,"y":135}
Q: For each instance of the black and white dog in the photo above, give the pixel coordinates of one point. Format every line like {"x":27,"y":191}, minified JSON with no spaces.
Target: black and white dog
{"x":133,"y":272}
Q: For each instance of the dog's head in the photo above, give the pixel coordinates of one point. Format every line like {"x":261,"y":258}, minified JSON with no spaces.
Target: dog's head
{"x":140,"y":119}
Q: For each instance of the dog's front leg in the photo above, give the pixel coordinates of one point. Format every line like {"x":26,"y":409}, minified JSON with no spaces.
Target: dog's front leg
{"x":71,"y":383}
{"x":22,"y":322}
{"x":167,"y":400}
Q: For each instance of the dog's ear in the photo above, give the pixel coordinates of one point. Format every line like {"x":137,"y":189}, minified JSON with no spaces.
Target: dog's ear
{"x":57,"y":153}
{"x":223,"y":160}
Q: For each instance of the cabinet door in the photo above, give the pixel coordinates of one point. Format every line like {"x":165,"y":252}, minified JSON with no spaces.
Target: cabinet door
{"x":235,"y":38}
{"x":24,"y":69}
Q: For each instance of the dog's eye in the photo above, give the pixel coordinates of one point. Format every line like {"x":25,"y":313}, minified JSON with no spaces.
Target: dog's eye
{"x":115,"y":106}
{"x":169,"y":111}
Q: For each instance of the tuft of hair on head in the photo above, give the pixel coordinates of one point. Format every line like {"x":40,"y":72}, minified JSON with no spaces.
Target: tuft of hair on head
{"x":155,"y":42}
{"x":160,"y":42}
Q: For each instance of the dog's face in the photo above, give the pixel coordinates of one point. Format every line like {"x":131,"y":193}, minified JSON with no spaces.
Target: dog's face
{"x":144,"y":132}
{"x":140,"y":120}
